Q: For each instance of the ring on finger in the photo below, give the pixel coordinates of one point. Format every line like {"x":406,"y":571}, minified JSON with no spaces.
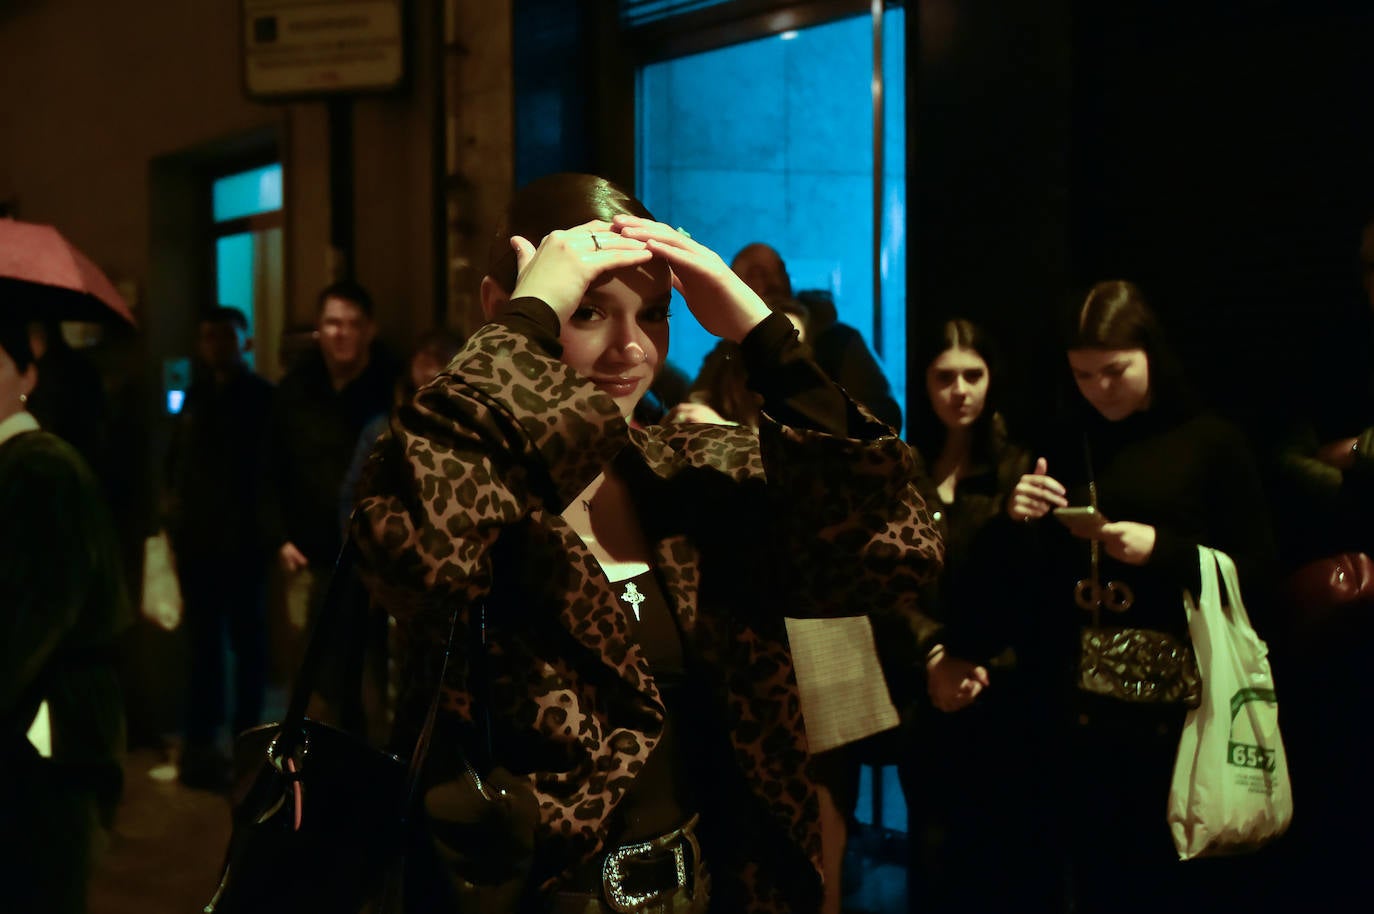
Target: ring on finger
{"x":596,"y":242}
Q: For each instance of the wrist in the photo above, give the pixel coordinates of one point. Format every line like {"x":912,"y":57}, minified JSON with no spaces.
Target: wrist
{"x":749,"y":319}
{"x":552,"y":296}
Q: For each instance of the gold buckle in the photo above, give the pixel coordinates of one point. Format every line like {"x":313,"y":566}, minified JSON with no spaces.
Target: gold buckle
{"x":612,"y":875}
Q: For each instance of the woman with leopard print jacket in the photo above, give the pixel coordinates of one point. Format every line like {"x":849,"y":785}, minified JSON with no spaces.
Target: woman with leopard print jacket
{"x":622,"y":667}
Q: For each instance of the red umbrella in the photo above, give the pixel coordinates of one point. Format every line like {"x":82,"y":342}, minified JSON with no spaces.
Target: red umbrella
{"x":43,"y":274}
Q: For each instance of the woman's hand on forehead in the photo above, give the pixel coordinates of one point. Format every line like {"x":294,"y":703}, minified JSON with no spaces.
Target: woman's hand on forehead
{"x":720,"y":300}
{"x":568,"y":261}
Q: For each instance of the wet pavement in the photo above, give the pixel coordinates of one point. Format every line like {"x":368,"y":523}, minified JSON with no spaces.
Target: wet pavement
{"x":166,"y":846}
{"x":169,"y":840}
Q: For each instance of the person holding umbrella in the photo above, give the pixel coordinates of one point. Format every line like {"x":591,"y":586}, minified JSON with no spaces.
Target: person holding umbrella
{"x":64,"y":603}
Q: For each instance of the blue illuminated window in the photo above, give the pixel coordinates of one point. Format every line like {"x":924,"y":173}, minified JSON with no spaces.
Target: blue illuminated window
{"x":772,"y":140}
{"x":248,"y":193}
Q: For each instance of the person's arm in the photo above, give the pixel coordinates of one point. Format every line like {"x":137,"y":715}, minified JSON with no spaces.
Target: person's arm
{"x":1302,"y":473}
{"x":795,"y":391}
{"x":504,"y":429}
{"x":854,"y":534}
{"x":860,"y":374}
{"x":367,"y":440}
{"x":1237,"y":516}
{"x":272,"y":477}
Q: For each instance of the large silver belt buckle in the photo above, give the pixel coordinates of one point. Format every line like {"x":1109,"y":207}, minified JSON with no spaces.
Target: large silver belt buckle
{"x":612,"y":875}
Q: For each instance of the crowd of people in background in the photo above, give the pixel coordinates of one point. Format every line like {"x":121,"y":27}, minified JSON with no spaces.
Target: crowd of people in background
{"x":697,"y":513}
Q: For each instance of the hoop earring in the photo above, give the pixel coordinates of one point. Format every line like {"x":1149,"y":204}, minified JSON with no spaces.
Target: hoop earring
{"x":23,"y":399}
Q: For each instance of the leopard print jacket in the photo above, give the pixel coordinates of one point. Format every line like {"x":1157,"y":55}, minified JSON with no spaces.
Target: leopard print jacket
{"x":460,"y":507}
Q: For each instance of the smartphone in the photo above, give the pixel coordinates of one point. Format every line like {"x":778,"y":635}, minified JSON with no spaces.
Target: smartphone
{"x":1082,"y":520}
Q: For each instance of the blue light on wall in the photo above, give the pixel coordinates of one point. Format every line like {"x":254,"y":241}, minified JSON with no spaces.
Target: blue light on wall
{"x":772,"y":141}
{"x":248,"y":193}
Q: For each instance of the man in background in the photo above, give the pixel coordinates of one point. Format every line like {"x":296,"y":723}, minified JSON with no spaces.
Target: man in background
{"x":213,"y":523}
{"x":322,"y":405}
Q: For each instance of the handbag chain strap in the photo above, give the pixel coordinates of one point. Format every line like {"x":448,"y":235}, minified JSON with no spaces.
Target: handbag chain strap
{"x":1090,"y":594}
{"x":417,"y":756}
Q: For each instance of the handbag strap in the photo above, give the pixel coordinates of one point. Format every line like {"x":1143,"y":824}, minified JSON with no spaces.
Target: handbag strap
{"x":336,"y":600}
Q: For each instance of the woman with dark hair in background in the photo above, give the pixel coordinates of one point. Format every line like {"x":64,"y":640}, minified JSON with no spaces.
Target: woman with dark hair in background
{"x":1164,"y":477}
{"x":957,"y":809}
{"x":62,"y":602}
{"x":620,"y":656}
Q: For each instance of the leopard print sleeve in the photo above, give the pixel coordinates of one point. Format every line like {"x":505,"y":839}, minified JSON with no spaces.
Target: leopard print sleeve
{"x":506,"y":428}
{"x":858,"y":536}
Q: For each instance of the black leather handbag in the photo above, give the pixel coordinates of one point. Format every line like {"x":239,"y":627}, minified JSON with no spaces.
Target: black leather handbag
{"x":325,"y":817}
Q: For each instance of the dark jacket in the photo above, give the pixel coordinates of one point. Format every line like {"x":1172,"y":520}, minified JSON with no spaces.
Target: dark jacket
{"x":978,"y":499}
{"x":64,"y":604}
{"x":310,"y":440}
{"x":841,"y":352}
{"x":1191,"y":477}
{"x":461,"y":508}
{"x":212,"y":468}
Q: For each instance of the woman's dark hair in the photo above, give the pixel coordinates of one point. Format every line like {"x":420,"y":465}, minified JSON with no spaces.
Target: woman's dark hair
{"x":1115,"y":315}
{"x":988,"y":432}
{"x":14,"y":339}
{"x":550,"y":203}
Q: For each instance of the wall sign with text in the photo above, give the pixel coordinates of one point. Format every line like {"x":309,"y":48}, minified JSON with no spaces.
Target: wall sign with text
{"x":307,"y":47}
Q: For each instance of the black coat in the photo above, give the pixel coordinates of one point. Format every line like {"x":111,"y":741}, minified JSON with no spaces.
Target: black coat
{"x":1191,"y":477}
{"x":310,"y":440}
{"x":212,"y":468}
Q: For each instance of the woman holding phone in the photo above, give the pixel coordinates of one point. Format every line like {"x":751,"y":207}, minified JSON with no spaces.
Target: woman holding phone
{"x":1162,"y":476}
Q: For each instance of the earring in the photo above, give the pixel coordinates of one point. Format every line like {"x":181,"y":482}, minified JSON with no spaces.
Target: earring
{"x":23,"y":399}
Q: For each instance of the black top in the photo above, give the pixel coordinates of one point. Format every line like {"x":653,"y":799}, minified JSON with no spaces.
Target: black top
{"x":978,"y":498}
{"x":311,"y":435}
{"x":661,"y":797}
{"x":1191,"y":477}
{"x":795,"y":392}
{"x":212,"y":467}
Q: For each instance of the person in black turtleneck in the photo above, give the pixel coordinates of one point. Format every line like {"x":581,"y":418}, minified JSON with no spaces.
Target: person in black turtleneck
{"x":1168,"y":476}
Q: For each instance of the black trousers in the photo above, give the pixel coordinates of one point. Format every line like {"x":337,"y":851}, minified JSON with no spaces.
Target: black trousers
{"x":225,"y":602}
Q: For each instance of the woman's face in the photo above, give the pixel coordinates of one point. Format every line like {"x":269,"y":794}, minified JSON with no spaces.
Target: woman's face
{"x":14,"y":384}
{"x":618,"y":336}
{"x":1115,"y":381}
{"x":957,"y":382}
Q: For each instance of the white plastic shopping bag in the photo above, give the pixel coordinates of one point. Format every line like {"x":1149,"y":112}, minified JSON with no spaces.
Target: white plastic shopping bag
{"x":161,"y":590}
{"x":1230,"y":791}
